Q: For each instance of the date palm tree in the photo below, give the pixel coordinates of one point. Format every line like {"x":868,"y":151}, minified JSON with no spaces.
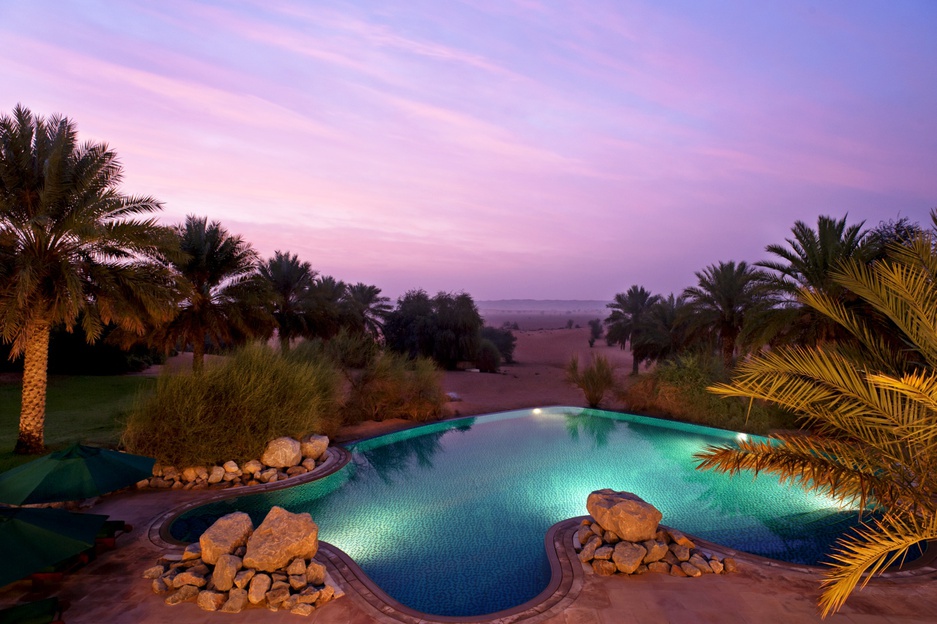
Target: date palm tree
{"x":225,"y":298}
{"x":366,"y":309}
{"x":871,"y":408}
{"x":625,"y":321}
{"x":663,"y":333}
{"x":291,"y":283}
{"x":720,"y":304}
{"x":808,"y":262}
{"x":74,"y":250}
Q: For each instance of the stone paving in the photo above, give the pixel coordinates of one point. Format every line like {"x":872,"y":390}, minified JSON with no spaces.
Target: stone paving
{"x":110,"y":589}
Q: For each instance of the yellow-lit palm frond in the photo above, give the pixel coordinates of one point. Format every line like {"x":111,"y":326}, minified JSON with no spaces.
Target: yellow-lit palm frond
{"x":869,"y":551}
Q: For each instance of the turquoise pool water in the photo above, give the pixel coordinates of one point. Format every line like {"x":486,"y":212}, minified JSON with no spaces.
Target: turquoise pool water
{"x":449,"y":519}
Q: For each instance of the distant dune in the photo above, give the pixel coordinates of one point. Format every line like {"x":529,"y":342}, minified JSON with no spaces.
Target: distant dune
{"x":561,"y":306}
{"x":536,"y":314}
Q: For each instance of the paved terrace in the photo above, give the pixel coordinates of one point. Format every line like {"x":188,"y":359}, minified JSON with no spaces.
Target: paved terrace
{"x":111,"y":589}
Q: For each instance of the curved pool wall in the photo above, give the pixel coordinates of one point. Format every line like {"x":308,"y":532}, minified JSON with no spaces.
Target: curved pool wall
{"x":449,"y":518}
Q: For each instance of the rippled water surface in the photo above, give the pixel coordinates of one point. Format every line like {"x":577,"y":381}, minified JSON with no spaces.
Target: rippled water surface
{"x":449,"y":519}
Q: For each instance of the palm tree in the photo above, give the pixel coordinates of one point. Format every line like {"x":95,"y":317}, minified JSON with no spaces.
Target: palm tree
{"x":808,"y":263}
{"x":625,"y":321}
{"x":327,"y":312}
{"x":291,"y":283}
{"x":663,"y":332}
{"x":74,"y":250}
{"x":722,"y":301}
{"x":366,"y":309}
{"x":224,"y":295}
{"x":871,"y":409}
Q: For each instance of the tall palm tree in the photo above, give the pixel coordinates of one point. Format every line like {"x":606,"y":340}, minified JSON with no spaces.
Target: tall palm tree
{"x":808,"y":262}
{"x":663,"y":331}
{"x":327,"y":312}
{"x":625,"y":321}
{"x":726,"y":295}
{"x":224,"y":295}
{"x":291,"y":283}
{"x":366,"y":309}
{"x":871,"y":410}
{"x":74,"y":250}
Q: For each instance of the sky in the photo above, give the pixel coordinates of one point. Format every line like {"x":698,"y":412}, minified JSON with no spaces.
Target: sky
{"x":505,"y":148}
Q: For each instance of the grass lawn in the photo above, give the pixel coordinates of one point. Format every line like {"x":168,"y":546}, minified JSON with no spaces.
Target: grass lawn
{"x":78,"y":409}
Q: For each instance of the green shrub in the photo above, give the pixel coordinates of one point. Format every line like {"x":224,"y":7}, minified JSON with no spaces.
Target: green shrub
{"x":488,"y":358}
{"x":502,"y":338}
{"x":596,"y":379}
{"x":676,"y":389}
{"x":233,"y":409}
{"x":391,"y":386}
{"x":345,"y":350}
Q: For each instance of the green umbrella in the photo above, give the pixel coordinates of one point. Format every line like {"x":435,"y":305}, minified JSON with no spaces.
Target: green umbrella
{"x":71,"y":474}
{"x":32,"y":539}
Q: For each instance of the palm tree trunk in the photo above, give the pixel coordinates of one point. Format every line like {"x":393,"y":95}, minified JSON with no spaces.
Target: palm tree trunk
{"x":198,"y":355}
{"x":284,"y":344}
{"x":35,"y":380}
{"x":634,"y":364}
{"x":728,"y":351}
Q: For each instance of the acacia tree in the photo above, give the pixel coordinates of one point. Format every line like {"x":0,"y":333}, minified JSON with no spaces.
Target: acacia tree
{"x":870,"y":408}
{"x":720,"y":304}
{"x":291,"y":283}
{"x":75,"y":251}
{"x":625,"y":322}
{"x":224,"y":296}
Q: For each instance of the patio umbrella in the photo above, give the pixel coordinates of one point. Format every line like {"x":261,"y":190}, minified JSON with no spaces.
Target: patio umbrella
{"x":32,"y":539}
{"x":73,"y":473}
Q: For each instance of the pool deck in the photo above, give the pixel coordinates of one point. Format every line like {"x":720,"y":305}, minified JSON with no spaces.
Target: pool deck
{"x":110,"y":589}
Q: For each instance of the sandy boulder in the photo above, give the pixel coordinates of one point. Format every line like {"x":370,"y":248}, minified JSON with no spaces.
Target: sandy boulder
{"x":225,"y":535}
{"x":280,"y":538}
{"x":314,"y":446}
{"x":282,"y":452}
{"x":625,"y":514}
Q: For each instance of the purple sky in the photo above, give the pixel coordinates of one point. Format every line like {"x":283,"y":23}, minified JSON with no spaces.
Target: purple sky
{"x":508,"y":148}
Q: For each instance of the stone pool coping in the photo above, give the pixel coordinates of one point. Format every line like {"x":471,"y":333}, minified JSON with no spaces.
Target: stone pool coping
{"x":566,"y":571}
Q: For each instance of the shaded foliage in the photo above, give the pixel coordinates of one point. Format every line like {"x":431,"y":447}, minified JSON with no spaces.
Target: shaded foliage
{"x":503,"y":339}
{"x":445,"y":327}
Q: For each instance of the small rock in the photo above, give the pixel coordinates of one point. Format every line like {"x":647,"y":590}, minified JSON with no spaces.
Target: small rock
{"x":160,"y":586}
{"x":282,"y":453}
{"x":253,"y":467}
{"x":192,"y":551}
{"x":258,"y":588}
{"x":280,"y":577}
{"x":291,"y":601}
{"x":690,"y":569}
{"x":230,"y":466}
{"x":701,"y":563}
{"x":681,"y":552}
{"x":237,"y":600}
{"x":190,"y":473}
{"x":189,"y":578}
{"x":658,"y":567}
{"x":597,"y":529}
{"x":297,"y":566}
{"x":641,"y":569}
{"x":278,"y":593}
{"x":588,"y":551}
{"x":229,"y":476}
{"x":154,"y":572}
{"x":715,"y":566}
{"x":325,"y":594}
{"x":216,"y":475}
{"x":662,"y":536}
{"x":610,"y":538}
{"x":302,"y":609}
{"x":309,"y":464}
{"x":240,"y":551}
{"x":177,"y":485}
{"x":210,"y":600}
{"x":730,"y":565}
{"x":295,"y":470}
{"x":655,"y":550}
{"x":298,"y":581}
{"x":628,"y":556}
{"x":670,"y":558}
{"x":242,"y":578}
{"x":226,"y":568}
{"x":308,"y":596}
{"x":676,"y":570}
{"x":268,"y":475}
{"x":314,"y":446}
{"x":679,"y":538}
{"x":315,"y":573}
{"x":143,"y":483}
{"x":583,"y":535}
{"x":604,"y":568}
{"x":603,"y":553}
{"x":183,"y":594}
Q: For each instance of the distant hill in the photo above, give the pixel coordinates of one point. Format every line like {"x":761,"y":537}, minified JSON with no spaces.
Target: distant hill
{"x":560,"y":306}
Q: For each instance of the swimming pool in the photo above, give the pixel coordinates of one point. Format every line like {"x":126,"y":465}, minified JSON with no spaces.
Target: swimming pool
{"x":449,"y":518}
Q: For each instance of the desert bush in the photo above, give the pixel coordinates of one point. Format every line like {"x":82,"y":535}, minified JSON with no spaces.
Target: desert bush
{"x":345,"y":350}
{"x":595,"y":380}
{"x":677,"y":389}
{"x":488,"y":357}
{"x":233,"y":409}
{"x":391,"y":386}
{"x":504,"y":339}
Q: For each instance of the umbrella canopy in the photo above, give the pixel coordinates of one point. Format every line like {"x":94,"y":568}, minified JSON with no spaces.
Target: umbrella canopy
{"x":74,"y":473}
{"x":32,"y":539}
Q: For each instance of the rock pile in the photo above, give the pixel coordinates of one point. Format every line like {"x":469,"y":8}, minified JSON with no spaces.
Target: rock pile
{"x":624,"y":536}
{"x":234,"y":566}
{"x":283,"y":458}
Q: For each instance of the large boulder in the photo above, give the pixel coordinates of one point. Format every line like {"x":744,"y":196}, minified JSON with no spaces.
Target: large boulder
{"x":314,"y":446}
{"x":280,"y":538}
{"x":223,"y":537}
{"x":282,"y":453}
{"x":625,"y":514}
